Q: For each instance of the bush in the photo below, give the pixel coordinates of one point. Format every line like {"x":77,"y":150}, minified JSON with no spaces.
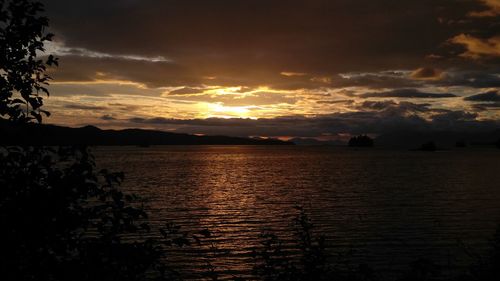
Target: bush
{"x":62,"y":220}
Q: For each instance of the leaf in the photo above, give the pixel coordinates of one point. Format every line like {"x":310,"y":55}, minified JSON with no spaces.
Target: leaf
{"x":18,"y":101}
{"x":37,"y":116}
{"x":45,"y":112}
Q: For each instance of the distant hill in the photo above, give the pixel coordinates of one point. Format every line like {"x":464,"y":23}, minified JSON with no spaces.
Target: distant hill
{"x":37,"y":134}
{"x":313,"y":141}
{"x":361,"y":141}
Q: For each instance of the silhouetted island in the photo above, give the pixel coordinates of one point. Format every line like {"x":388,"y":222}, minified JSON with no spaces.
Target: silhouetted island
{"x":361,"y":141}
{"x":30,"y":134}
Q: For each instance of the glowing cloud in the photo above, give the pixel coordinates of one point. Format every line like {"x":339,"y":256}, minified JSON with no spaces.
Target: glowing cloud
{"x":291,"y":74}
{"x":60,"y":49}
{"x":477,"y":47}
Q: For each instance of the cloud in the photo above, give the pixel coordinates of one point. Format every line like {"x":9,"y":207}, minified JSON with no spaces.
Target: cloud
{"x":84,"y":107}
{"x":59,"y":49}
{"x":486,"y":106}
{"x":427,"y":73}
{"x":488,"y":96}
{"x":405,"y":93}
{"x":335,"y":101}
{"x":476,"y":79}
{"x":477,"y":47}
{"x":298,"y":58}
{"x":487,"y":77}
{"x":221,"y":38}
{"x":186,"y":91}
{"x":454,"y":116}
{"x":376,"y":80}
{"x":386,"y":118}
{"x":493,"y":9}
{"x":391,"y":106}
{"x":485,"y":101}
{"x":258,"y":98}
{"x":107,"y":117}
{"x":291,"y":74}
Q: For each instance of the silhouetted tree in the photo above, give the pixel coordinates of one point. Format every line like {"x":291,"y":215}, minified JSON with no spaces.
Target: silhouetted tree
{"x":60,"y":218}
{"x":275,"y":263}
{"x":23,"y":76}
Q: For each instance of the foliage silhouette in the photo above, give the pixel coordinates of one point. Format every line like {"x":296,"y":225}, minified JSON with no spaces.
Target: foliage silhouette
{"x":61,"y":218}
{"x":23,"y":75}
{"x":273,"y":262}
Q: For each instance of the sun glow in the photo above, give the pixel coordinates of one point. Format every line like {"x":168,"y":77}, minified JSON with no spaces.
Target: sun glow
{"x":224,"y":91}
{"x":221,"y":111}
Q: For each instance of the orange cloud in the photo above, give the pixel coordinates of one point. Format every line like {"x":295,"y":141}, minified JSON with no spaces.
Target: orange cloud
{"x":427,"y":73}
{"x":477,"y":47}
{"x":291,"y":74}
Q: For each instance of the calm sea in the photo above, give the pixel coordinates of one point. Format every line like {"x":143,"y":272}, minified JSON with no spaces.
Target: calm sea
{"x":385,"y":208}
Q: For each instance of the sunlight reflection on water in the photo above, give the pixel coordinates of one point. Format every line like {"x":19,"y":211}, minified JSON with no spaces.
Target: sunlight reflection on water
{"x":388,"y":206}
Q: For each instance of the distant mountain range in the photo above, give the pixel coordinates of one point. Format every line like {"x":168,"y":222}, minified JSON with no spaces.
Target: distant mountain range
{"x":39,"y":134}
{"x":313,"y":141}
{"x":414,"y":139}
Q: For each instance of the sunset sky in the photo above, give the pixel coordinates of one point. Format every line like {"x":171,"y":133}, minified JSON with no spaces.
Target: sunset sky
{"x":310,"y":68}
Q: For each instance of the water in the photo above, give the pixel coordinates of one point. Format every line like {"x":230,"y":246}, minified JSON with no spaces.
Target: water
{"x":381,"y":207}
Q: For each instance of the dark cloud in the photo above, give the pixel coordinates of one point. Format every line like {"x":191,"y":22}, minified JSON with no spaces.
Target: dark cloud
{"x":388,"y":49}
{"x":427,"y":73}
{"x":378,"y":118}
{"x":405,"y":93}
{"x":222,"y":39}
{"x":454,"y":116}
{"x":186,"y":91}
{"x":84,"y":107}
{"x":391,"y":106}
{"x":476,"y":79}
{"x":375,"y":80}
{"x":485,"y":101}
{"x":488,"y":96}
{"x":378,"y":105}
{"x":484,"y":78}
{"x":335,"y":101}
{"x":151,"y":74}
{"x":107,"y":118}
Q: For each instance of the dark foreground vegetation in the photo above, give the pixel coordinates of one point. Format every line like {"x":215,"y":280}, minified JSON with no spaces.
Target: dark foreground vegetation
{"x":315,"y":263}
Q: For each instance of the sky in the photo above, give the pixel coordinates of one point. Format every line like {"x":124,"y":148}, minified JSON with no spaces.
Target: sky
{"x":273,"y":68}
